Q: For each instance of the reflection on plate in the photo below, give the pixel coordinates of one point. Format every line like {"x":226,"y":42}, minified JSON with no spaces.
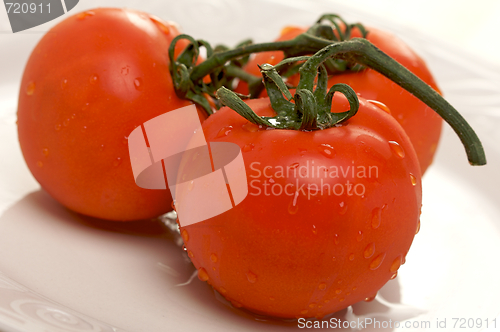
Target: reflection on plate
{"x":60,"y":271}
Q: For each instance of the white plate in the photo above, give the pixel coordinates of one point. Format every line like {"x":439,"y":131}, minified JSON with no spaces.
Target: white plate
{"x":63,"y":272}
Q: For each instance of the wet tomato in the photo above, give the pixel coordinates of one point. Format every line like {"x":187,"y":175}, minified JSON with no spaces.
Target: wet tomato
{"x":329,"y":216}
{"x":88,"y":83}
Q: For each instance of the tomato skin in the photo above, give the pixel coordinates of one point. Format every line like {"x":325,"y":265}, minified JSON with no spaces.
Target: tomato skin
{"x":420,"y":122}
{"x":289,"y":256}
{"x":88,"y":83}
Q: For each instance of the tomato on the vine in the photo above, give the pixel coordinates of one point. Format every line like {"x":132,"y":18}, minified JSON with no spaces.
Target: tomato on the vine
{"x":329,"y":216}
{"x":420,"y":122}
{"x":89,"y":82}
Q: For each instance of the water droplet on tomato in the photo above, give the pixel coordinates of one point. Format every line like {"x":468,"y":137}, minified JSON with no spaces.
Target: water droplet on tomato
{"x":397,"y":149}
{"x":251,"y":127}
{"x":396,"y":264}
{"x":293,"y":206}
{"x":66,"y":122}
{"x":93,"y":79}
{"x":82,"y":16}
{"x":64,"y":82}
{"x":312,"y":305}
{"x":57,"y":127}
{"x":185,"y":236}
{"x":360,"y":236}
{"x":418,"y":227}
{"x":101,"y":147}
{"x":413,"y":179}
{"x":369,"y":250}
{"x":117,"y":162}
{"x":305,"y":311}
{"x":340,"y":281}
{"x":163,"y":28}
{"x":30,"y":89}
{"x":377,"y":261}
{"x":377,"y":216}
{"x":248,"y":147}
{"x":251,"y":277}
{"x":351,"y":257}
{"x":236,"y":304}
{"x":394,"y":276}
{"x":84,"y":107}
{"x":138,"y":84}
{"x":380,"y":105}
{"x":213,"y":258}
{"x":222,"y":290}
{"x":343,"y":208}
{"x":39,"y":164}
{"x":190,"y":254}
{"x":45,"y":152}
{"x":336,"y":239}
{"x":334,"y":259}
{"x":338,"y":291}
{"x":322,"y":286}
{"x":202,"y":274}
{"x":354,"y":288}
{"x":224,"y":131}
{"x":370,"y":298}
{"x":125,"y":71}
{"x":341,"y":299}
{"x":327,"y":150}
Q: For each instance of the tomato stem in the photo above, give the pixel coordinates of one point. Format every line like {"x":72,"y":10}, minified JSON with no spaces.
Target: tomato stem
{"x":364,"y":52}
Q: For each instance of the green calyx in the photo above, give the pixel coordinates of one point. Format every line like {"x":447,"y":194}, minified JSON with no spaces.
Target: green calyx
{"x":311,"y":109}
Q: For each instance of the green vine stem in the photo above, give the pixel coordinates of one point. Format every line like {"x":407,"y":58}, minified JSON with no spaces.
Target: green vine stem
{"x":311,"y":109}
{"x":365,"y":53}
{"x":302,"y":44}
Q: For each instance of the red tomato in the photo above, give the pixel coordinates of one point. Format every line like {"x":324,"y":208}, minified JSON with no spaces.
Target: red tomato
{"x":420,"y":122}
{"x":88,"y":83}
{"x":329,"y":216}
